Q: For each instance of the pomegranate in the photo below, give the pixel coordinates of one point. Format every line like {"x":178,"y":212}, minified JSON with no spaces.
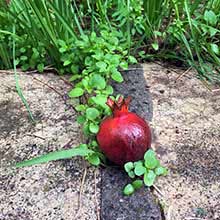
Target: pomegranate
{"x":124,"y":136}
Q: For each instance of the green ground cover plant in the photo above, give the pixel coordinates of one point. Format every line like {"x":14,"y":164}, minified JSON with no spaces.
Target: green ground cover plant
{"x":93,"y":40}
{"x":147,"y":169}
{"x":184,"y":31}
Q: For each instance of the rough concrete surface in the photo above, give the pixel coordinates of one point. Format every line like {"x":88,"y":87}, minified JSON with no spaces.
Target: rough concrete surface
{"x":49,"y":191}
{"x":186,"y":127}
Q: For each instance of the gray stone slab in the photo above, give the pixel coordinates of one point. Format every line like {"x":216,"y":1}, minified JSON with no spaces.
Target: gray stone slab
{"x":135,"y":85}
{"x":142,"y":204}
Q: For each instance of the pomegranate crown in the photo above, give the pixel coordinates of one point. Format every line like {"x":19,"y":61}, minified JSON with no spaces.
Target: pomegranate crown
{"x":119,"y":106}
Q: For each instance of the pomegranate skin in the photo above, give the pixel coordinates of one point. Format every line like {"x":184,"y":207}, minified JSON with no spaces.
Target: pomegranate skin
{"x":124,"y":136}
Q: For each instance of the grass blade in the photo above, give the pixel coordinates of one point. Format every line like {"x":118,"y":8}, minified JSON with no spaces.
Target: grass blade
{"x":63,"y":20}
{"x":57,"y":155}
{"x":17,"y":82}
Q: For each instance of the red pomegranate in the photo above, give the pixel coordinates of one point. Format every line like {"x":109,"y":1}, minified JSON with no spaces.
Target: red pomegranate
{"x":124,"y":136}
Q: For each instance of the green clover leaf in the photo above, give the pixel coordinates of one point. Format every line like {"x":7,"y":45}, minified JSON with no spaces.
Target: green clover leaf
{"x":149,"y":178}
{"x":92,"y":113}
{"x":128,"y":190}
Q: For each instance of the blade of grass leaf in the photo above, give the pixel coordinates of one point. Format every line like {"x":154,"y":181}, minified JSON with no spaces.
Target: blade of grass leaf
{"x":4,"y":55}
{"x":17,"y":82}
{"x":57,"y":155}
{"x":9,"y":33}
{"x":192,"y":30}
{"x":128,"y":27}
{"x":201,"y":61}
{"x":78,"y":13}
{"x":42,"y":18}
{"x":185,"y":41}
{"x":64,"y":21}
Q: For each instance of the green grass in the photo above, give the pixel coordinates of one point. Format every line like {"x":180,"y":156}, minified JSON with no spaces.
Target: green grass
{"x":186,"y":31}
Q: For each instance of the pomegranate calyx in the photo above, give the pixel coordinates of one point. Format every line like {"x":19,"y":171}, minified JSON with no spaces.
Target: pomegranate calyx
{"x":119,"y":106}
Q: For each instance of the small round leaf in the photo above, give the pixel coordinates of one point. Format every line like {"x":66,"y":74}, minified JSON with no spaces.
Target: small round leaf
{"x":74,"y":77}
{"x":67,"y":62}
{"x":151,"y":161}
{"x":128,"y":190}
{"x":149,"y":178}
{"x":129,"y":166}
{"x":131,"y":174}
{"x":23,"y":58}
{"x":94,"y":143}
{"x":100,"y":100}
{"x":94,"y":159}
{"x":161,"y":171}
{"x":137,"y":163}
{"x":109,"y":90}
{"x":22,"y":49}
{"x":94,"y":128}
{"x":81,"y":119}
{"x":97,"y":81}
{"x":139,"y":170}
{"x":76,"y":92}
{"x":149,"y":154}
{"x":40,"y":67}
{"x":92,"y":113}
{"x":137,"y":184}
{"x":124,"y":65}
{"x":116,"y":75}
{"x":86,"y":131}
{"x":80,"y":108}
{"x":155,"y":46}
{"x":132,"y":59}
{"x":102,"y":66}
